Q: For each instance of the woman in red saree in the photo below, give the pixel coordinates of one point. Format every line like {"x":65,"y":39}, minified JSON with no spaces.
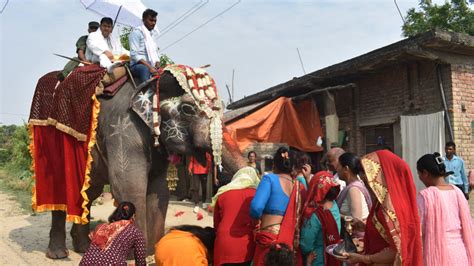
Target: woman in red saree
{"x":393,"y":230}
{"x":277,"y":204}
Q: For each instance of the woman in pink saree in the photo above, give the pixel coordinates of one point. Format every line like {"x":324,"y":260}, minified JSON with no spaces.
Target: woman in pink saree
{"x":448,"y":236}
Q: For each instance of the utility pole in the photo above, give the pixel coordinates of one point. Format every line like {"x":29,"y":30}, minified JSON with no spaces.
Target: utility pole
{"x":233,"y":73}
{"x":301,"y":61}
{"x":228,"y":91}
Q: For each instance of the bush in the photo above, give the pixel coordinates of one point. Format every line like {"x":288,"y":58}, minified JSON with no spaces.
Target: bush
{"x":15,"y":156}
{"x":6,"y":133}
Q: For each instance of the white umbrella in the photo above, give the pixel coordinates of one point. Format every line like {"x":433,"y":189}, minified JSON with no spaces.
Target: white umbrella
{"x":126,"y":12}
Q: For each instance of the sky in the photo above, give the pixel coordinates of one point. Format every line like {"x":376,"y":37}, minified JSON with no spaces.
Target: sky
{"x":256,"y":39}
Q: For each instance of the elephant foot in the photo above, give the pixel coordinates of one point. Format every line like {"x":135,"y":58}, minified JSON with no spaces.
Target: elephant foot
{"x":80,"y":245}
{"x":57,"y":237}
{"x":80,"y":238}
{"x":57,"y":253}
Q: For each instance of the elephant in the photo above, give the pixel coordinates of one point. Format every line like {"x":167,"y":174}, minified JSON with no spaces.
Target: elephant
{"x":124,"y":156}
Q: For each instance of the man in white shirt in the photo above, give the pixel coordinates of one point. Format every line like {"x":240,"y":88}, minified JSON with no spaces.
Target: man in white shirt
{"x":101,"y":47}
{"x":144,"y":57}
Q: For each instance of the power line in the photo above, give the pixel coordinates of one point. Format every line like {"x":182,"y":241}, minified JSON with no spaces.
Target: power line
{"x":196,"y":6}
{"x":179,"y":22}
{"x":202,"y":25}
{"x":13,"y":114}
{"x":395,"y":1}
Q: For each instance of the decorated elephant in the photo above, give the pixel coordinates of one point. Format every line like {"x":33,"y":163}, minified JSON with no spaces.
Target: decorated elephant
{"x":125,"y":155}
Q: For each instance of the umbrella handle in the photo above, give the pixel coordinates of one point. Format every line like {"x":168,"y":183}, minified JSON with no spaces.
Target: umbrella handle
{"x":116,"y":17}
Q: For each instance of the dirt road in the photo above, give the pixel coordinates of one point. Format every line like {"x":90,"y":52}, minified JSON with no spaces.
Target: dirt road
{"x":24,"y":238}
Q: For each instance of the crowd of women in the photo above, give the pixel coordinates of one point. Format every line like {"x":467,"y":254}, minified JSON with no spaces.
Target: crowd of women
{"x":294,"y":217}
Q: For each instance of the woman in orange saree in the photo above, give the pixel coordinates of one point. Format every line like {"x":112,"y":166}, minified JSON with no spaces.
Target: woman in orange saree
{"x":393,"y":230}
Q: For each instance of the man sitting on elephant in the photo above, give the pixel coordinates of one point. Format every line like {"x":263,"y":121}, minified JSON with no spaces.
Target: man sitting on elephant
{"x":80,"y":50}
{"x":144,"y":58}
{"x":101,"y":47}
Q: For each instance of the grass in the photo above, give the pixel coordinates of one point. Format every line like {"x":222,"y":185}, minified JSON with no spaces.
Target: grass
{"x":19,"y":188}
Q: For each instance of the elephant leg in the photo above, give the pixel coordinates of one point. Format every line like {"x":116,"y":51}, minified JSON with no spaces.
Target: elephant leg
{"x":57,"y":236}
{"x":80,"y":232}
{"x":131,"y":187}
{"x":157,"y":204}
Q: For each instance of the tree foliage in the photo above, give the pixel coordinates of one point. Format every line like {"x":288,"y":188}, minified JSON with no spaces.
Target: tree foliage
{"x":455,"y":15}
{"x":6,"y":143}
{"x":164,"y":59}
{"x":15,"y":158}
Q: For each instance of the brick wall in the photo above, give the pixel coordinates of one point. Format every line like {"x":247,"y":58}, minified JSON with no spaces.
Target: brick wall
{"x":462,"y":106}
{"x":409,"y":89}
{"x":263,"y":150}
{"x":462,"y":114}
{"x":404,"y":89}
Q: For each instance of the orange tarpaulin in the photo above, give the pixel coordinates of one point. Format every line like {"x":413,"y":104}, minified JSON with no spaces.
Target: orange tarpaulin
{"x":280,"y":121}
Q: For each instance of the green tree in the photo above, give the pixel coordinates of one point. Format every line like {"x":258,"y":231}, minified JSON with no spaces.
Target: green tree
{"x":20,"y":157}
{"x":16,"y":162}
{"x":455,"y":15}
{"x":164,"y":59}
{"x":6,"y":143}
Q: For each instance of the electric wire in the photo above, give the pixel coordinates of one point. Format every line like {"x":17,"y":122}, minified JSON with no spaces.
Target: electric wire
{"x":202,"y":25}
{"x":183,"y":19}
{"x":184,"y":14}
{"x":3,"y":8}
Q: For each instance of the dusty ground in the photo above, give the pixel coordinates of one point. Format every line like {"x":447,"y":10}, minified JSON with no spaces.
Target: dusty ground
{"x":24,"y":238}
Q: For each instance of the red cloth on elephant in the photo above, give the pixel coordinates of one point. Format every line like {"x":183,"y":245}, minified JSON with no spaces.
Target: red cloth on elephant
{"x":198,"y":169}
{"x":68,"y":106}
{"x":62,"y":123}
{"x":61,"y":172}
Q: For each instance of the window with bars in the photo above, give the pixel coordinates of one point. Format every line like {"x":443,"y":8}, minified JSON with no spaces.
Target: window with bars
{"x":378,"y":137}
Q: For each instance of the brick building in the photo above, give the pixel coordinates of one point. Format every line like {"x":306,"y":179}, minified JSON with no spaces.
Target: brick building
{"x":425,"y":74}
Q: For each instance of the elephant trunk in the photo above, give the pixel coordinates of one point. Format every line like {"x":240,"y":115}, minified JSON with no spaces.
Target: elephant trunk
{"x":232,"y":159}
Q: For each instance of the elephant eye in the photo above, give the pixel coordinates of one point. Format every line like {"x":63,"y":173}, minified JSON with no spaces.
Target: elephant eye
{"x":188,"y":110}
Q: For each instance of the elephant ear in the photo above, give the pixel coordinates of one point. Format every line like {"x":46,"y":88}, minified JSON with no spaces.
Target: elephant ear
{"x":142,"y":104}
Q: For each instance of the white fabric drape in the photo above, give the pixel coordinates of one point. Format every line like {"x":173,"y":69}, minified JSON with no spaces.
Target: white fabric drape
{"x":332,"y":120}
{"x":150,"y":46}
{"x":421,"y":134}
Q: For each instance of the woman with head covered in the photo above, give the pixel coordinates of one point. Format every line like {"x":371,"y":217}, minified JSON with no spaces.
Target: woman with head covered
{"x":321,"y":219}
{"x":234,"y":227}
{"x":392,"y":230}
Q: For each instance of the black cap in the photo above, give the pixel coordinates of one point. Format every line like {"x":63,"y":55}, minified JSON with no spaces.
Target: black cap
{"x":94,"y":24}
